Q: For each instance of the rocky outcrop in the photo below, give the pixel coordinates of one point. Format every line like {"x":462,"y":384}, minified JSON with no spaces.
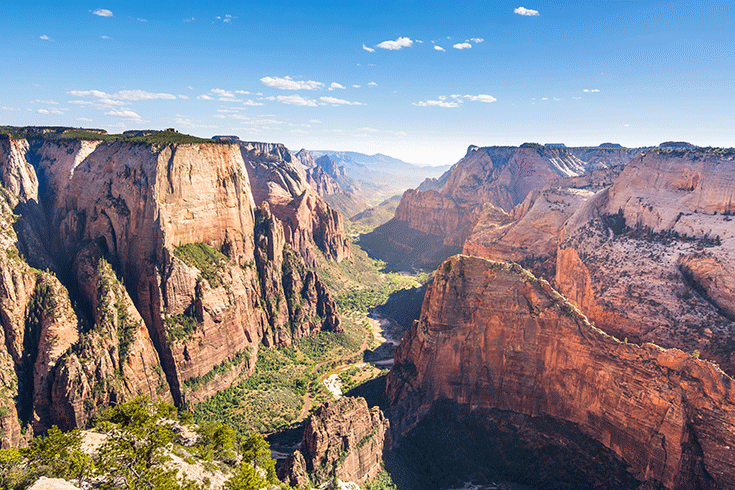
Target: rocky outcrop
{"x":493,"y":337}
{"x":166,"y":270}
{"x":307,"y":219}
{"x":501,"y":176}
{"x":651,"y":257}
{"x":342,"y":438}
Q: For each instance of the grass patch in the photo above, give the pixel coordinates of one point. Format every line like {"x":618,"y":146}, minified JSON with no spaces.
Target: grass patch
{"x":210,"y":261}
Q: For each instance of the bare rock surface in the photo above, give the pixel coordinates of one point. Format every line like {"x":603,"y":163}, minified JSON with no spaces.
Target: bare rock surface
{"x":491,"y":336}
{"x":342,"y":438}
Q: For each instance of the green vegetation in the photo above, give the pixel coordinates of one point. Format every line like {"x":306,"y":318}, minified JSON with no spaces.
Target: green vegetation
{"x":210,"y":261}
{"x":179,"y":327}
{"x":381,"y":482}
{"x":139,"y":440}
{"x":149,"y":137}
{"x":225,"y":366}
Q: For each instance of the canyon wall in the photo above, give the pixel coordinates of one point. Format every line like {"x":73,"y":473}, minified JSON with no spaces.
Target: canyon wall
{"x":501,"y":176}
{"x":167,"y":269}
{"x":493,"y":337}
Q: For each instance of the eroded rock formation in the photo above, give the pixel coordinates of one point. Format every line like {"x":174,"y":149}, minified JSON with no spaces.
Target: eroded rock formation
{"x":493,"y":337}
{"x":166,"y":270}
{"x":342,"y":438}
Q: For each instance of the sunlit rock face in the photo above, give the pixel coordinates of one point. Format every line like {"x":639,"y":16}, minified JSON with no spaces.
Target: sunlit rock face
{"x":493,"y":337}
{"x":156,"y":266}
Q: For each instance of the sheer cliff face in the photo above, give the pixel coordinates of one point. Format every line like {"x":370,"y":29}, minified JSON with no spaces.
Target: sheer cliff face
{"x":501,"y":176}
{"x":491,"y":336}
{"x":307,"y":219}
{"x":172,"y":267}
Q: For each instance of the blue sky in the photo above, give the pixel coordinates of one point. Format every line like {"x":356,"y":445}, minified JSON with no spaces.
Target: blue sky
{"x":418,"y":80}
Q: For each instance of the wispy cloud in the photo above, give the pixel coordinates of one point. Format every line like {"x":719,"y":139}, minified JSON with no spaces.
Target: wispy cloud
{"x":315,"y":121}
{"x":122,"y":95}
{"x":83,"y":119}
{"x":439,"y":48}
{"x":293,"y":100}
{"x":356,"y":86}
{"x":373,"y":84}
{"x":334,"y":101}
{"x":591,"y":90}
{"x":242,"y":92}
{"x":477,"y":40}
{"x":141,"y":20}
{"x":181,"y":96}
{"x":369,"y":50}
{"x":336,"y":85}
{"x":188,"y":122}
{"x":401,"y":42}
{"x":105,"y":37}
{"x":53,"y":111}
{"x":125,"y":114}
{"x":462,"y":46}
{"x":369,"y":130}
{"x":103,"y":13}
{"x":525,"y":11}
{"x":436,"y":103}
{"x":288,"y":83}
{"x":44,"y":37}
{"x":47,"y":102}
{"x":205,"y":97}
{"x":480,"y":98}
{"x":227,"y":18}
{"x":251,"y":102}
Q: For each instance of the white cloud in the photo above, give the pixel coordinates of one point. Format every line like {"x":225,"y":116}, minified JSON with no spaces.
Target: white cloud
{"x":188,"y":122}
{"x":400,"y":133}
{"x":401,"y":42}
{"x":222,"y":93}
{"x":50,"y":111}
{"x":205,"y":97}
{"x":336,"y":85}
{"x":373,"y":84}
{"x":124,"y":113}
{"x":50,"y":102}
{"x":462,"y":46}
{"x":439,"y":48}
{"x":180,"y":96}
{"x":242,"y":92}
{"x":356,"y":86}
{"x":418,"y":41}
{"x":288,"y":83}
{"x":141,"y":20}
{"x":251,"y":102}
{"x":591,"y":90}
{"x":122,"y":95}
{"x":369,"y":130}
{"x":477,"y":40}
{"x":544,"y":98}
{"x":315,"y":121}
{"x":293,"y":100}
{"x":219,"y":116}
{"x":105,"y":37}
{"x":83,"y":119}
{"x":369,"y":50}
{"x":481,"y":98}
{"x":525,"y":11}
{"x":44,"y":37}
{"x":435,"y":103}
{"x":103,"y":13}
{"x":576,"y":98}
{"x":334,"y":101}
{"x":298,"y":131}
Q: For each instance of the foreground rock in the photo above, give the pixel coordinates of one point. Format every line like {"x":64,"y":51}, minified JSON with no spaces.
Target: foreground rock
{"x":492,"y":337}
{"x":342,"y":438}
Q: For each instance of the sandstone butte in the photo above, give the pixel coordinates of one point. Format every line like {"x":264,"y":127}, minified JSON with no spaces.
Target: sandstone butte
{"x":342,"y":438}
{"x":492,"y":336}
{"x":173,"y":269}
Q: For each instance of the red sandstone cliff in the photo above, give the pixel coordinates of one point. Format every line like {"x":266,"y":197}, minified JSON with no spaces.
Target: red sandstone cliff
{"x":491,"y":336}
{"x":342,"y":438}
{"x":173,"y":267}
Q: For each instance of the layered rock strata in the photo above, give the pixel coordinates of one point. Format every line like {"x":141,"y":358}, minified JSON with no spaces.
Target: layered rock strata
{"x":448,"y":209}
{"x":166,"y":270}
{"x":342,"y":438}
{"x":492,"y":336}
